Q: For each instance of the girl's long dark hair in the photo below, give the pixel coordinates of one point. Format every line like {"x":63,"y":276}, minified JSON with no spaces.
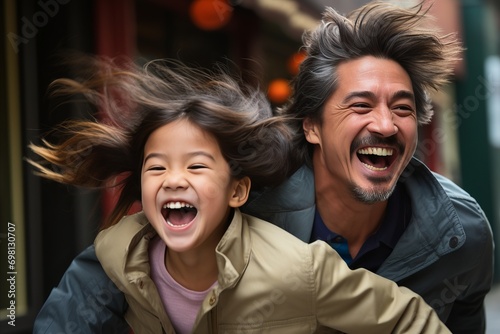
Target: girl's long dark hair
{"x":136,"y":101}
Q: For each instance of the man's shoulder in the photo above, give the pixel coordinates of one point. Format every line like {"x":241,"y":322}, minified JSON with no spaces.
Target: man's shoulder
{"x":294,"y":194}
{"x":447,"y":205}
{"x":433,"y":186}
{"x":467,"y":208}
{"x":78,"y":300}
{"x":290,"y":205}
{"x":479,"y":237}
{"x":86,"y":265}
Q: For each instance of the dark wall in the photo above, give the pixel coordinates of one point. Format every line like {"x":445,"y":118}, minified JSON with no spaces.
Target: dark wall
{"x":59,"y":221}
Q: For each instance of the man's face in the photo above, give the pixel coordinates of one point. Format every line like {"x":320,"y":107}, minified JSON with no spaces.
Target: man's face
{"x":369,"y":129}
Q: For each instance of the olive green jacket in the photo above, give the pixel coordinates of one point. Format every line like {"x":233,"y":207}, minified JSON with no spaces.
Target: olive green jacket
{"x":269,"y":282}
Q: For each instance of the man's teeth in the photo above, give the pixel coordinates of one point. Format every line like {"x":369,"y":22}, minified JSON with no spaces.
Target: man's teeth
{"x":176,"y":205}
{"x":384,"y":152}
{"x":373,"y":167}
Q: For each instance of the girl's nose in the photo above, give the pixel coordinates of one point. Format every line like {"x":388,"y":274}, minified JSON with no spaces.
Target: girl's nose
{"x":174,"y":180}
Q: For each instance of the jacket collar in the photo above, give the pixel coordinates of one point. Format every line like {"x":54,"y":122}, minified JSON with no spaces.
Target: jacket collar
{"x":123,"y":252}
{"x":119,"y":248}
{"x":233,"y":251}
{"x":126,"y":257}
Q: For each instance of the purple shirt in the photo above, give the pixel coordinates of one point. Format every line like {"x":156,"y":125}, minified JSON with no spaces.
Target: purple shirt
{"x":182,"y":305}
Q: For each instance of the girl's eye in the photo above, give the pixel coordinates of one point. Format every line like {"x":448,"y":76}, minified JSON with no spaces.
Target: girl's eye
{"x":197,"y":166}
{"x":156,"y":168}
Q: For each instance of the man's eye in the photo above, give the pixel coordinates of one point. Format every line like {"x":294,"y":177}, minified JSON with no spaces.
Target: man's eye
{"x":361,"y":107}
{"x":404,"y":110}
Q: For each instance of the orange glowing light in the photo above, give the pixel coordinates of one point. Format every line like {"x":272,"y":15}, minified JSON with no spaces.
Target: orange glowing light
{"x":294,"y":62}
{"x":278,"y":91}
{"x":210,"y":14}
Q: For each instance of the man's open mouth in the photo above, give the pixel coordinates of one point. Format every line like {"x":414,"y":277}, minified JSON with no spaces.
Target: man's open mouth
{"x":376,"y":158}
{"x":178,"y":214}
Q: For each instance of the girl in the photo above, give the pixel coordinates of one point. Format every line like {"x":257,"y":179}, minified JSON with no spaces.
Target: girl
{"x":188,"y":145}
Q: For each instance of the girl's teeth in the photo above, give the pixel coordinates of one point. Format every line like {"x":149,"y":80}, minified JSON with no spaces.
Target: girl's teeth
{"x":176,"y":205}
{"x":182,"y":225}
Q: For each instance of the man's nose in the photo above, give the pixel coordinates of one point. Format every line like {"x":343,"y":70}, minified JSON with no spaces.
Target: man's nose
{"x":382,"y":122}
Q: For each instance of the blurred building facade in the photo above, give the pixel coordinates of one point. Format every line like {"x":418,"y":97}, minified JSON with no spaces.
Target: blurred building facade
{"x":49,"y":224}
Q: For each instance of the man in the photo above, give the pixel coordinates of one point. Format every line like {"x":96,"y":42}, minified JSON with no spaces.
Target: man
{"x":358,"y":100}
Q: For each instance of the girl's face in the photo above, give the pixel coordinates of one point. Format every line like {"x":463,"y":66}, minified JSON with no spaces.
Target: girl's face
{"x":187,"y":188}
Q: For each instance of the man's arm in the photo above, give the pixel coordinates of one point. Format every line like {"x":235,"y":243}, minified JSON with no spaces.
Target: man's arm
{"x":85,"y":301}
{"x":468,"y":314}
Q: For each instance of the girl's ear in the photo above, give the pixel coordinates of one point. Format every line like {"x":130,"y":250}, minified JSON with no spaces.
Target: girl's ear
{"x":240,"y":192}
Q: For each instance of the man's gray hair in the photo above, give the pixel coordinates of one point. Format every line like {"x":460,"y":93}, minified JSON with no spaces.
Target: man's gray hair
{"x":378,"y":29}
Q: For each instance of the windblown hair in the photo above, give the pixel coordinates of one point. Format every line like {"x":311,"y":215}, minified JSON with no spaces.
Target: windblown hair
{"x":136,"y":102}
{"x":378,"y":29}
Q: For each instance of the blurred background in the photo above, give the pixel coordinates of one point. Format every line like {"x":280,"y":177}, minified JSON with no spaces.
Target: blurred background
{"x":50,"y":224}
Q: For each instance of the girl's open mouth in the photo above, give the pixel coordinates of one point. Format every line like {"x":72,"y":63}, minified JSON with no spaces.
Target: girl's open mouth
{"x":178,"y":214}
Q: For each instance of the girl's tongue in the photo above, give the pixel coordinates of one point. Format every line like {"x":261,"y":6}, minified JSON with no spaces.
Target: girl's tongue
{"x":179,"y":217}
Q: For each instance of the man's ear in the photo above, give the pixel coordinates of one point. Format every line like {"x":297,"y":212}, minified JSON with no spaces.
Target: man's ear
{"x":240,"y":192}
{"x":311,"y":130}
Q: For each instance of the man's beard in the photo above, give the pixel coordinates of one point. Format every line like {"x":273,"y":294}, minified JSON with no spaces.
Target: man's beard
{"x":371,"y":196}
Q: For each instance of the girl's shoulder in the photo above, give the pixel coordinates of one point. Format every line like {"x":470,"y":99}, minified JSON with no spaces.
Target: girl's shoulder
{"x":273,"y":240}
{"x":112,"y":242}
